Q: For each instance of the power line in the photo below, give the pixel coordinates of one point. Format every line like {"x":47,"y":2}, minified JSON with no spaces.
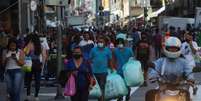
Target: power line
{"x":8,"y":7}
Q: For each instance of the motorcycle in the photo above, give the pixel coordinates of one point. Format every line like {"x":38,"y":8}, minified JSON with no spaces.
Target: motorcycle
{"x":169,"y":91}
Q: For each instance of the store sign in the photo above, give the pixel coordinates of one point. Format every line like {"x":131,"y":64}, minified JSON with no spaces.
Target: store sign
{"x":136,"y":11}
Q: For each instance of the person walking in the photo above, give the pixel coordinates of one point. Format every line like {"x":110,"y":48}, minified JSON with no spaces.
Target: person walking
{"x":13,"y":60}
{"x":36,"y":56}
{"x":121,"y":57}
{"x":189,"y":48}
{"x":143,"y":54}
{"x":136,"y":37}
{"x":45,"y":54}
{"x":86,"y":44}
{"x":80,"y":68}
{"x":157,"y":43}
{"x":101,"y":59}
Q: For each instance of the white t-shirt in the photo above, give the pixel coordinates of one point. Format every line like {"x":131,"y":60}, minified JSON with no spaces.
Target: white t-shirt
{"x":84,"y":42}
{"x":187,"y":52}
{"x":11,"y":63}
{"x":44,"y":43}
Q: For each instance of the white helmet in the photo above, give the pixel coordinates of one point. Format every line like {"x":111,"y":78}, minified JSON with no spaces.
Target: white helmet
{"x":172,"y":42}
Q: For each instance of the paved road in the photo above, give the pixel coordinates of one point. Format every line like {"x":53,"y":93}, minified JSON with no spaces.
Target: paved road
{"x":48,"y":93}
{"x":139,"y":95}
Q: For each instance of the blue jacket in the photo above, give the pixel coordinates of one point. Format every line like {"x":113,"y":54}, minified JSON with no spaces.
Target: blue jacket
{"x":82,"y":73}
{"x":172,"y":69}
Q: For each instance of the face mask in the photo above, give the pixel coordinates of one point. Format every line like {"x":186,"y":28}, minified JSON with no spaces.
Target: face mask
{"x":77,"y":56}
{"x":100,"y":45}
{"x":120,"y":45}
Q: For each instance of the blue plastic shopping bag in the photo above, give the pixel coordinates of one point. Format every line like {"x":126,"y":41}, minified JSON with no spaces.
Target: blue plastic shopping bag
{"x":115,"y":86}
{"x":95,"y":92}
{"x":133,"y":74}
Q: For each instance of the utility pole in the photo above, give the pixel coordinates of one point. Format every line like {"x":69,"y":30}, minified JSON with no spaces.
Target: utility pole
{"x":59,"y":94}
{"x":41,"y":17}
{"x":97,"y":10}
{"x":145,"y":13}
{"x":145,"y":16}
{"x":20,"y":15}
{"x":129,"y":22}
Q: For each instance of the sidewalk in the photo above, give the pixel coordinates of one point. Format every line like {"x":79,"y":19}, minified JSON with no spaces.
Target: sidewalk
{"x":2,"y":92}
{"x":46,"y":93}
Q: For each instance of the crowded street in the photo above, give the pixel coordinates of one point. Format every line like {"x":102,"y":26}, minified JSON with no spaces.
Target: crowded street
{"x":100,"y":50}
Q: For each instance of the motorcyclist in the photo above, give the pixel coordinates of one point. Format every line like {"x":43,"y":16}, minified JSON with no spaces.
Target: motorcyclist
{"x":173,"y":66}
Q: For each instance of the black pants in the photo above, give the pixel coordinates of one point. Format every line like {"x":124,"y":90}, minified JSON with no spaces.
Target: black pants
{"x":1,"y":72}
{"x":81,"y":95}
{"x":101,"y":79}
{"x":2,"y":69}
{"x":158,"y":51}
{"x":144,"y":68}
{"x":37,"y":78}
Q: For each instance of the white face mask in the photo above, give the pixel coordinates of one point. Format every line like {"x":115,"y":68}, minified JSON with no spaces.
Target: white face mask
{"x":100,"y":45}
{"x":120,"y":45}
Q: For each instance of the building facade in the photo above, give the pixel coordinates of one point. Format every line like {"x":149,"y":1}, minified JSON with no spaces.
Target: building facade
{"x":9,"y":15}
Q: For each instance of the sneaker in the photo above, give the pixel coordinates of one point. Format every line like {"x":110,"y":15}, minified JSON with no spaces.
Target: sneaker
{"x":36,"y":99}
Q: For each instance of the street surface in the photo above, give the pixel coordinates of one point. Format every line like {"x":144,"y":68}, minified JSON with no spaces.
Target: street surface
{"x":48,"y":93}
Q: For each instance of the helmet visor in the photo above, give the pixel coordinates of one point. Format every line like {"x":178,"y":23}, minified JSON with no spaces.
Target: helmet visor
{"x":172,"y":48}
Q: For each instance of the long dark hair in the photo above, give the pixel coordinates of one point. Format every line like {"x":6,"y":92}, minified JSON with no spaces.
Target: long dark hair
{"x":36,"y":42}
{"x":12,"y":40}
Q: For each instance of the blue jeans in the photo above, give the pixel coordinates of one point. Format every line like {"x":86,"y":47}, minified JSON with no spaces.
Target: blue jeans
{"x":14,"y":81}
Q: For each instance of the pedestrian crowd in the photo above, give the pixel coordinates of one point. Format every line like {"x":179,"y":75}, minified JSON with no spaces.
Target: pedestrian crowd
{"x":91,"y":57}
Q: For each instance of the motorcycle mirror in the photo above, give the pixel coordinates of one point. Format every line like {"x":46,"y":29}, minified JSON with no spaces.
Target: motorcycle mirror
{"x":196,"y":69}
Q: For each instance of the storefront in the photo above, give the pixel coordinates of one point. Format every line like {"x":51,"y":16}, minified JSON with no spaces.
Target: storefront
{"x":9,"y":15}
